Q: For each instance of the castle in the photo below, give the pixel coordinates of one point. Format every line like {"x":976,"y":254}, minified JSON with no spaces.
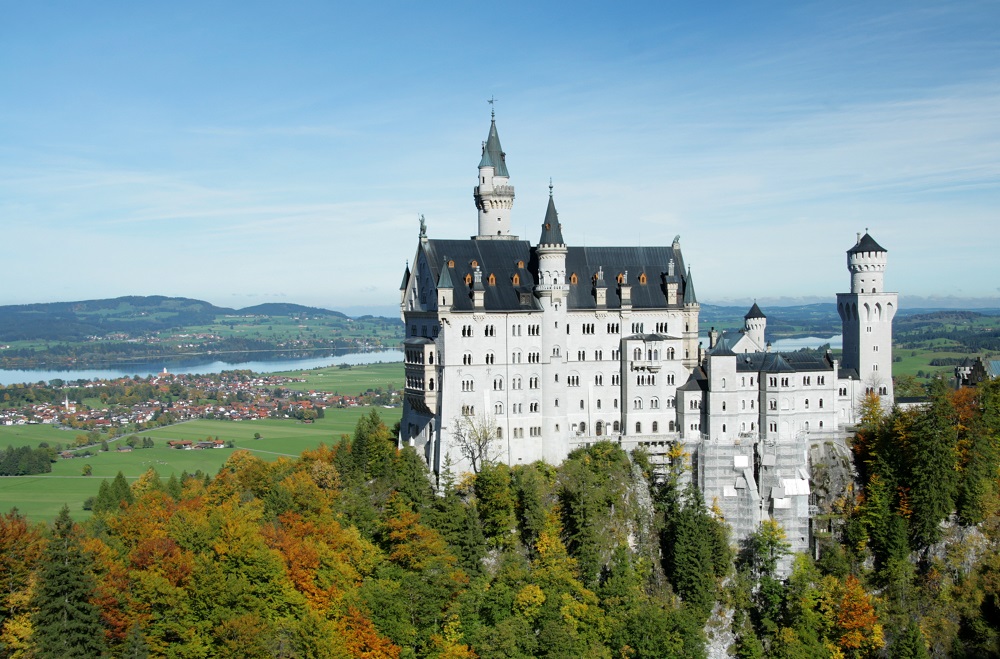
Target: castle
{"x":518,"y":352}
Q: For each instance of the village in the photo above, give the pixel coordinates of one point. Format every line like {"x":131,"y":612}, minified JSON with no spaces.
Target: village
{"x":125,"y":405}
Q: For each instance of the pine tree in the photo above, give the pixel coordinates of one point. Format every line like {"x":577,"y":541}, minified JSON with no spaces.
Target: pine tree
{"x":67,"y":624}
{"x":932,"y":468}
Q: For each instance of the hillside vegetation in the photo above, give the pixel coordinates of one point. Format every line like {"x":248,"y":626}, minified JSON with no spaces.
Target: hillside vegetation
{"x":347,"y":552}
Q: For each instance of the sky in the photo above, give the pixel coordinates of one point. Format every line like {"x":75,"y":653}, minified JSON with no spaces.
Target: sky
{"x":249,"y":152}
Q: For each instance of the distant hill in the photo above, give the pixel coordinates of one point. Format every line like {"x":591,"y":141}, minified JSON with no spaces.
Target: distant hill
{"x":74,"y":321}
{"x":284,"y":309}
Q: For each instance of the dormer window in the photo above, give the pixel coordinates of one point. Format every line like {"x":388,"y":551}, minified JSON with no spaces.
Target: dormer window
{"x":520,"y":264}
{"x":516,"y":279}
{"x":474,"y":264}
{"x":573,"y":278}
{"x":468,"y":280}
{"x":451,"y":263}
{"x":620,"y":278}
{"x":493,"y":279}
{"x":642,"y":279}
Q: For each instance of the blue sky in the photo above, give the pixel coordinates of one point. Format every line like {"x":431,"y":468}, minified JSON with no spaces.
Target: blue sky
{"x":251,"y":152}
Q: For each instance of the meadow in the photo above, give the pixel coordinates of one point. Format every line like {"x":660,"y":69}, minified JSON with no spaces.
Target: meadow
{"x":41,"y":497}
{"x":349,"y":381}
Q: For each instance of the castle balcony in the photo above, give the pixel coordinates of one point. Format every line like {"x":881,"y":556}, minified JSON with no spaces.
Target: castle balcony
{"x":646,"y":365}
{"x":497,"y":190}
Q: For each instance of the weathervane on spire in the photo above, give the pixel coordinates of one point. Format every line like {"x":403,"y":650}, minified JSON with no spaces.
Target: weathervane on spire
{"x":550,"y":186}
{"x":491,"y":101}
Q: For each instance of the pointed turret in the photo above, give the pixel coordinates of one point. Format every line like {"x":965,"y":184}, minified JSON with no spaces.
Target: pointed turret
{"x":689,"y":296}
{"x":551,"y":229}
{"x":754,"y":312}
{"x":406,"y":277}
{"x":494,"y":195}
{"x":493,"y":155}
{"x":445,"y":287}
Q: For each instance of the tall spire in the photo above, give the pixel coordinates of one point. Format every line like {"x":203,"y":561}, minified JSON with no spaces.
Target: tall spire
{"x":689,"y":296}
{"x":493,"y":154}
{"x":494,"y":195}
{"x":551,"y":229}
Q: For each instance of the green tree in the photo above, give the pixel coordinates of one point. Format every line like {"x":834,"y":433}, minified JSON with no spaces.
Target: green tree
{"x":66,"y":624}
{"x":932,"y":462}
{"x":87,"y":470}
{"x":495,"y":502}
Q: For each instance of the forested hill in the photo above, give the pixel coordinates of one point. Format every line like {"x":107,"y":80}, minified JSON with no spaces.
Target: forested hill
{"x":75,"y":321}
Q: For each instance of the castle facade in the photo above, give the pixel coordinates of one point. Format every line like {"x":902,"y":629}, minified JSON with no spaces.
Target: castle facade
{"x":520,"y":352}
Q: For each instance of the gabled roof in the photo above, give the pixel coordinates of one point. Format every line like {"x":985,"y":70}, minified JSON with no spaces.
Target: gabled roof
{"x":754,"y":312}
{"x":866,"y":244}
{"x":406,"y":277}
{"x":493,"y":155}
{"x":551,"y":229}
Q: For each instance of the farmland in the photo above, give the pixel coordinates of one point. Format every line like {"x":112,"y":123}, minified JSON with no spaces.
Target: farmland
{"x":40,"y":497}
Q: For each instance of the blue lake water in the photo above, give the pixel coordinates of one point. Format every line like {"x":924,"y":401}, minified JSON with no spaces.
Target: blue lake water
{"x":150,"y":368}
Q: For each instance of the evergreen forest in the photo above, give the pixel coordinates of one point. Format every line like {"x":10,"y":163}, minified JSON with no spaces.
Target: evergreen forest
{"x":348,"y":551}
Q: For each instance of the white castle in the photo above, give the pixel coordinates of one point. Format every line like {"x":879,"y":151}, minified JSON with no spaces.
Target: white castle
{"x":517,"y":353}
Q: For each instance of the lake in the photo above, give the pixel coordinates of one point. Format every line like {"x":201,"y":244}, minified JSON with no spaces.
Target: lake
{"x":150,"y":368}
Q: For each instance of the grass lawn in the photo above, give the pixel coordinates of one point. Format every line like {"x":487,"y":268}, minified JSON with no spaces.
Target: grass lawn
{"x":41,"y":497}
{"x":911,"y":363}
{"x":348,"y":381}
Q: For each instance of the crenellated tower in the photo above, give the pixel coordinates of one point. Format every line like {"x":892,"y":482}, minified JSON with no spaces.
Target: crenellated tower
{"x":866,"y":315}
{"x":494,"y":194}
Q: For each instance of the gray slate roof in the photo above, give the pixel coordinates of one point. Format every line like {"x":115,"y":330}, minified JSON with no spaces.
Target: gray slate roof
{"x":551,"y":229}
{"x":754,"y":312}
{"x":493,"y":155}
{"x":689,"y":296}
{"x":866,"y":244}
{"x":501,"y":257}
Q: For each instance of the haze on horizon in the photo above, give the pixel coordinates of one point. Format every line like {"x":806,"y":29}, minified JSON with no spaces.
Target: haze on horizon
{"x":246,"y":152}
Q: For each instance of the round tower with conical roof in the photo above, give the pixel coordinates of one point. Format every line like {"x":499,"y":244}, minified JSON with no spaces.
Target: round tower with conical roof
{"x":494,"y":194}
{"x":754,"y":325}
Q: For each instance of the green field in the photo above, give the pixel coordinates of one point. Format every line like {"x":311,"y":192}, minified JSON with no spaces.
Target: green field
{"x":347,"y":381}
{"x":41,"y":497}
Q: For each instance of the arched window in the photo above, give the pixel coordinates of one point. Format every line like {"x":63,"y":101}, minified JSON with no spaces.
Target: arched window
{"x":638,"y":427}
{"x":599,"y":429}
{"x":616,"y":426}
{"x":583,"y":427}
{"x":656,"y":427}
{"x":499,"y":432}
{"x":431,"y":384}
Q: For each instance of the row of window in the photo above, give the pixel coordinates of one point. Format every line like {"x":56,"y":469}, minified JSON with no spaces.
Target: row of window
{"x":423,"y":331}
{"x":417,"y":357}
{"x":773,"y":381}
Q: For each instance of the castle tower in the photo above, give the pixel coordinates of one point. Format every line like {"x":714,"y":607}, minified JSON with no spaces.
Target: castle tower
{"x":494,"y":195}
{"x":866,"y":315}
{"x":552,"y":252}
{"x":754,"y":324}
{"x":552,"y":290}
